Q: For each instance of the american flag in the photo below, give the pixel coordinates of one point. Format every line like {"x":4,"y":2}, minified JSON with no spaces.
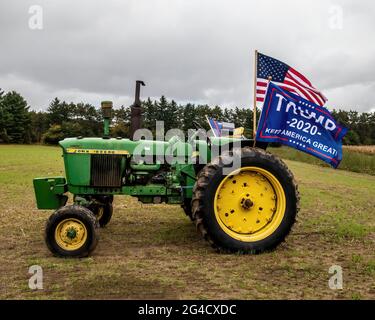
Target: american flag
{"x":285,"y":77}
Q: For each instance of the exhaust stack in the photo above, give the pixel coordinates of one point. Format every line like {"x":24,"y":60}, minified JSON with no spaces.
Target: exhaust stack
{"x":136,"y":110}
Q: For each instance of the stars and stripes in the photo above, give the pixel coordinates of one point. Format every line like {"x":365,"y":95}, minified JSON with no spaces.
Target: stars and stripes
{"x":285,"y":77}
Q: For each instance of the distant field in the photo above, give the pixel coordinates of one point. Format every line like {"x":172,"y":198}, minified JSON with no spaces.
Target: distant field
{"x":153,"y":251}
{"x":359,"y":159}
{"x":361,"y":149}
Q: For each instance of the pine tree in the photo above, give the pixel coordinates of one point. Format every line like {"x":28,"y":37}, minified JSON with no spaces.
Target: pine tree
{"x":217,"y":113}
{"x":364,"y":128}
{"x":122,"y":115}
{"x":161,"y":109}
{"x":188,"y":115}
{"x":201,"y":112}
{"x":59,"y":112}
{"x":16,"y":118}
{"x":171,"y":116}
{"x":121,"y":122}
{"x":228,"y":115}
{"x":53,"y":135}
{"x":372,"y":122}
{"x":3,"y":135}
{"x":149,"y":114}
{"x":39,"y":125}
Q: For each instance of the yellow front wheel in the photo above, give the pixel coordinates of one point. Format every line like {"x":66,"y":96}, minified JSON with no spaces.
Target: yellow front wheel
{"x":251,"y":208}
{"x":71,"y":232}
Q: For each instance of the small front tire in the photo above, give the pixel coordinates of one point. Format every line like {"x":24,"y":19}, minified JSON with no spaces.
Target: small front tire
{"x":71,"y":231}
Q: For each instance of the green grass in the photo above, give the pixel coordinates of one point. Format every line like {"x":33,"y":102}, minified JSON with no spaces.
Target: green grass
{"x":153,"y":251}
{"x":351,"y":160}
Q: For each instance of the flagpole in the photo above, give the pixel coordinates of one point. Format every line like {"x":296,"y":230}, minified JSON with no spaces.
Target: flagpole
{"x":255,"y":95}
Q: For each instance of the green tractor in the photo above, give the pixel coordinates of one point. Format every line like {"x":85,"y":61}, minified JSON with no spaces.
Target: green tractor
{"x":249,"y":207}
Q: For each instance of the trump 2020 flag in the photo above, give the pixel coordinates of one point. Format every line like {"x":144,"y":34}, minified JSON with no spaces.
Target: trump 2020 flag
{"x":298,"y":123}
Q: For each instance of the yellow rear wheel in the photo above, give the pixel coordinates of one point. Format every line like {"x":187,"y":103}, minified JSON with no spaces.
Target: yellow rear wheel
{"x":249,"y":204}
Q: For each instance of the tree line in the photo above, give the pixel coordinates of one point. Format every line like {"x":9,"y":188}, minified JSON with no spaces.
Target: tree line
{"x":20,"y":124}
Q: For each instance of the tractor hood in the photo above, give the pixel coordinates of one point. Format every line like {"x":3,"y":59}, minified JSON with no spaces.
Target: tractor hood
{"x":124,"y":146}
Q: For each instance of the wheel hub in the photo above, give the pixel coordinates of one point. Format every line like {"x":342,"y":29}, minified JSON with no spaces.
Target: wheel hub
{"x":246,"y":203}
{"x":70,"y":234}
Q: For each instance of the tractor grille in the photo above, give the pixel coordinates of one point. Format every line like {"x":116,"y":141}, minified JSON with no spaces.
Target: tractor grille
{"x":105,"y":170}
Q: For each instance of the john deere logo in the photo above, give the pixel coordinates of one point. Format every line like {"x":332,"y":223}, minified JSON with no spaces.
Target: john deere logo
{"x":95,"y":151}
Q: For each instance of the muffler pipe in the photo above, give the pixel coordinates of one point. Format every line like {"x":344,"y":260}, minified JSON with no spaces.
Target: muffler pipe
{"x":136,"y":110}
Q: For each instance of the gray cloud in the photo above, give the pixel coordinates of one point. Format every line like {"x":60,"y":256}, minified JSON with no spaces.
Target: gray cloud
{"x":198,"y":51}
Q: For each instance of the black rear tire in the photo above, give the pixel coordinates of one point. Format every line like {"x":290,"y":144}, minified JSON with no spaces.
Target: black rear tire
{"x":209,"y":181}
{"x":186,"y":206}
{"x":83,"y":226}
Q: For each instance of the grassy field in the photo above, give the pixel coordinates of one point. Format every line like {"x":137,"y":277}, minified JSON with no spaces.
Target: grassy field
{"x":361,"y":149}
{"x":153,"y":251}
{"x":359,"y":159}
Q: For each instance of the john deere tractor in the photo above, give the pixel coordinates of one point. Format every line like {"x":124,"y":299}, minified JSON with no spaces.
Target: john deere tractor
{"x":249,"y":207}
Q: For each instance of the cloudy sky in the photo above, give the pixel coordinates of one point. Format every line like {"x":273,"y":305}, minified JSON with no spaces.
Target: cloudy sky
{"x":189,"y":50}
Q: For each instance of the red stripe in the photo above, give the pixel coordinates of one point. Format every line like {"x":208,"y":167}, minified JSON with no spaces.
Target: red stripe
{"x":301,"y":88}
{"x":300,"y":93}
{"x":261,"y":90}
{"x":304,"y":91}
{"x":322,"y":98}
{"x":300,"y":76}
{"x":288,"y":89}
{"x":322,"y":154}
{"x":319,"y":99}
{"x":275,"y":137}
